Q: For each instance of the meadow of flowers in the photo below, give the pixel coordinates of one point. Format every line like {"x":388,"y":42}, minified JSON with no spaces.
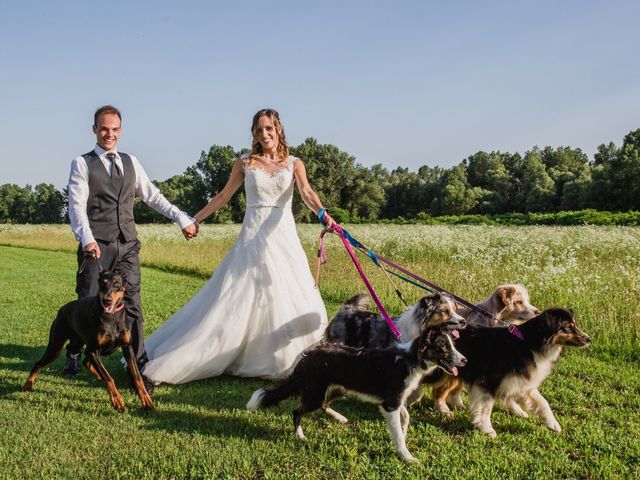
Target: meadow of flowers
{"x":594,"y":270}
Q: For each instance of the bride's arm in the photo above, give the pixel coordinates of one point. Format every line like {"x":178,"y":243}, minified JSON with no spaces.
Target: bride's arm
{"x":224,"y":195}
{"x":306,"y":192}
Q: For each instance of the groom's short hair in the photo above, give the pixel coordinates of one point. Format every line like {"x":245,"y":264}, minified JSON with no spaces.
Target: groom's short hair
{"x":106,"y":109}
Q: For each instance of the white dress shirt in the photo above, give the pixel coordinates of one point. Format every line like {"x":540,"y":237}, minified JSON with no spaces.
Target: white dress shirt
{"x":147,"y":191}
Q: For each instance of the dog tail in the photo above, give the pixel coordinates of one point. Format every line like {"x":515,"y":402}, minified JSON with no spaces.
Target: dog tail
{"x":273,"y":394}
{"x":360,"y":302}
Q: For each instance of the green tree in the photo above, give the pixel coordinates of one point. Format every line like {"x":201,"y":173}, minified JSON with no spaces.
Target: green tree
{"x":17,"y":204}
{"x":403,"y":191}
{"x":365,"y":197}
{"x":331,"y":173}
{"x":625,"y":173}
{"x":488,"y":173}
{"x":456,"y":196}
{"x":565,"y":165}
{"x":539,"y":188}
{"x":50,"y":204}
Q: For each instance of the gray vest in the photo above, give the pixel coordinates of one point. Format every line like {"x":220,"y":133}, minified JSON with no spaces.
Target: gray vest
{"x":110,"y":202}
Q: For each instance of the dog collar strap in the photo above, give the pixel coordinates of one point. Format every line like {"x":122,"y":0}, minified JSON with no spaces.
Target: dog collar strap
{"x":514,"y":330}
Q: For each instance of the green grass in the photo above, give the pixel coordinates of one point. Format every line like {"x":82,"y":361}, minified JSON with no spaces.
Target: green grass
{"x":66,"y":427}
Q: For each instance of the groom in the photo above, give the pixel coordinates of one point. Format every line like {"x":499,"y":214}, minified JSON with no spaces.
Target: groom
{"x":102,"y":186}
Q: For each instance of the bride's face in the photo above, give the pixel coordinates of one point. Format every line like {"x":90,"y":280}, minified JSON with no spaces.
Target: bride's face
{"x":267,"y":134}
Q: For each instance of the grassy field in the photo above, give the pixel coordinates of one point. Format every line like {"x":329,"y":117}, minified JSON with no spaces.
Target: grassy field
{"x":66,"y":428}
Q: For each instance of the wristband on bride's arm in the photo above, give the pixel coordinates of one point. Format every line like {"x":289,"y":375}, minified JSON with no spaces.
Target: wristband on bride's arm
{"x":321,"y":214}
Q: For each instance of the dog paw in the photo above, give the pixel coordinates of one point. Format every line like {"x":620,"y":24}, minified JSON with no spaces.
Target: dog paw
{"x":27,"y":387}
{"x":407,"y":457}
{"x":490,"y":432}
{"x":555,"y":426}
{"x":519,"y":413}
{"x":118,"y":403}
{"x":300,"y":434}
{"x":147,"y":402}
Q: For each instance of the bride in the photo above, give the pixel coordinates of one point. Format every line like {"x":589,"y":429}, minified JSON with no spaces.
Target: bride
{"x":259,"y":309}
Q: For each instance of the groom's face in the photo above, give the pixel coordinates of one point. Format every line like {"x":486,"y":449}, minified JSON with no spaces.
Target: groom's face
{"x":107,"y":131}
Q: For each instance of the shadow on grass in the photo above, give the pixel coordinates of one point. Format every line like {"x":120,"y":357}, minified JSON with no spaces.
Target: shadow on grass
{"x":21,"y":358}
{"x":214,"y":406}
{"x":217,"y":423}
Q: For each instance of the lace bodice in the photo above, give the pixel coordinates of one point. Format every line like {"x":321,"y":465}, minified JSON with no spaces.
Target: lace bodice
{"x":265,"y":189}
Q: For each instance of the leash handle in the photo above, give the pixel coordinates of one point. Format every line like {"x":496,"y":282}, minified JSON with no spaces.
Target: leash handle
{"x":87,"y":256}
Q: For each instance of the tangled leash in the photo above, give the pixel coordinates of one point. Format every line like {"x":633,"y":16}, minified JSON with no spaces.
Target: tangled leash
{"x":349,"y":242}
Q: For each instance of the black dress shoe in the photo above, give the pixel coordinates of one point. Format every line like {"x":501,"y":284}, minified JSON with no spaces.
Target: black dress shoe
{"x":148,"y":385}
{"x":73,"y":364}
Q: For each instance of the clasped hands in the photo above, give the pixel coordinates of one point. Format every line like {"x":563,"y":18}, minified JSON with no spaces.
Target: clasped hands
{"x":191,"y":231}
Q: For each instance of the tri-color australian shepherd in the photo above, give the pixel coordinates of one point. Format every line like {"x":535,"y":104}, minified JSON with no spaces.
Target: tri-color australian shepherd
{"x":508,"y":366}
{"x":383,"y":377}
{"x":509,"y":303}
{"x":356,"y":326}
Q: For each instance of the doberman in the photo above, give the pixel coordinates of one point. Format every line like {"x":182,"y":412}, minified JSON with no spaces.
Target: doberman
{"x":101,"y":324}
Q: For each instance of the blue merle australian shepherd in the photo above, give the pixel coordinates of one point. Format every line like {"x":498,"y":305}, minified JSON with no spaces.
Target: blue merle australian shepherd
{"x":356,"y":326}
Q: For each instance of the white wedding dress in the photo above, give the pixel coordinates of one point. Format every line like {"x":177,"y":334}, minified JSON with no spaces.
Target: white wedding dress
{"x":258,"y":310}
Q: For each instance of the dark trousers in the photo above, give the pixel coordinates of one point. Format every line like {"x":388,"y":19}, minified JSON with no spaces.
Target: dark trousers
{"x":121,"y":257}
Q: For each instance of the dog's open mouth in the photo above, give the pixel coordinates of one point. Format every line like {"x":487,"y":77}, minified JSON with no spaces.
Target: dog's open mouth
{"x":109,"y":308}
{"x":455,"y":334}
{"x":449,"y":367}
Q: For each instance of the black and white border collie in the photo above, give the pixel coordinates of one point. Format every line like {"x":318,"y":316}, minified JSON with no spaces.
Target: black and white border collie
{"x":501,"y":366}
{"x":384,"y":377}
{"x":356,"y":326}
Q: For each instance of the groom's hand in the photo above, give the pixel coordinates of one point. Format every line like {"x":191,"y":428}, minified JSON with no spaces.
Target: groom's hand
{"x":91,"y":250}
{"x":191,"y":231}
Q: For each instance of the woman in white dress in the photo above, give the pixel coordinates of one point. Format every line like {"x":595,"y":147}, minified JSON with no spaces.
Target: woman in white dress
{"x":260,"y":308}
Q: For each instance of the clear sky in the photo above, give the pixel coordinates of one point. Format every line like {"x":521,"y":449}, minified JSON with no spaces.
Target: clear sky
{"x":402,"y":83}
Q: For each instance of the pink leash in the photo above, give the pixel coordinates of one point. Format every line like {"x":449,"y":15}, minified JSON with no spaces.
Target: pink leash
{"x":340,"y":232}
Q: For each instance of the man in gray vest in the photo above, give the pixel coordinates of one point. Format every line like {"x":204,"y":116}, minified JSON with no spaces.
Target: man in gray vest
{"x":102,"y":186}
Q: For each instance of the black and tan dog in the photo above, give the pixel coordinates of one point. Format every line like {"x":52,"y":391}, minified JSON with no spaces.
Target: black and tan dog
{"x":383,"y":377}
{"x":101,"y":324}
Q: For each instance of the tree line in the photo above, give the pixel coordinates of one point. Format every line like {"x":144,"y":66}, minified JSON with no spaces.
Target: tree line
{"x":539,"y":181}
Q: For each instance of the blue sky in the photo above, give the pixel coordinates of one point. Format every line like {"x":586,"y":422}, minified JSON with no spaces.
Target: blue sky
{"x":405,"y":83}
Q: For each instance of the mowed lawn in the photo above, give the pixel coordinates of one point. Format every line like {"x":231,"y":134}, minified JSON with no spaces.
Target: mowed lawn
{"x":66,"y":427}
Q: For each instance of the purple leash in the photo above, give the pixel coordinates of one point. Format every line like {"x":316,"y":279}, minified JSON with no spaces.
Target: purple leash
{"x":348,"y":240}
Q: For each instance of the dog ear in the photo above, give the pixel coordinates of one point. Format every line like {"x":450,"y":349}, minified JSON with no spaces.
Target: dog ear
{"x":123,"y":276}
{"x":430,"y":334}
{"x":505,"y":294}
{"x":360,"y":302}
{"x":430,"y":300}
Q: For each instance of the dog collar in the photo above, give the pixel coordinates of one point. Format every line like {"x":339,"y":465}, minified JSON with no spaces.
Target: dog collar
{"x":514,"y":330}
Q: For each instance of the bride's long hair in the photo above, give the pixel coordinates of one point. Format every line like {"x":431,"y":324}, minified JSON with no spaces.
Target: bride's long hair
{"x":256,"y":148}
